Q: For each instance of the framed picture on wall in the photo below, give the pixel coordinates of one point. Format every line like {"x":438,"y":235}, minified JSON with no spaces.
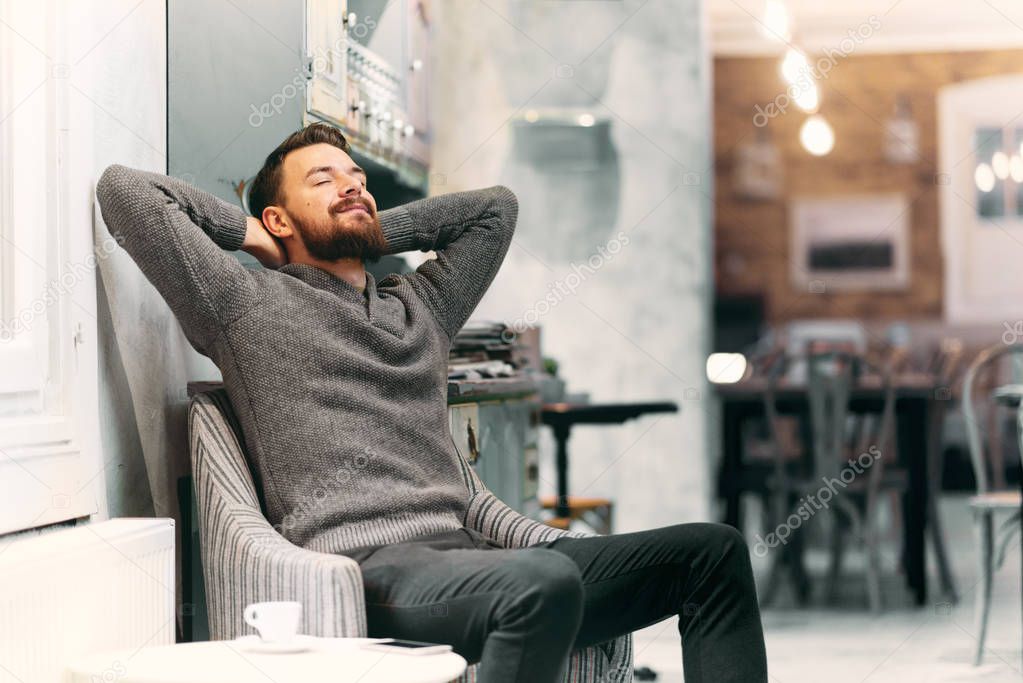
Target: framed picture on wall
{"x":849,"y":242}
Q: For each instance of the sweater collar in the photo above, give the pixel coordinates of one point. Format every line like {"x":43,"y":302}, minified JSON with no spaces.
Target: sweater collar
{"x":321,"y":279}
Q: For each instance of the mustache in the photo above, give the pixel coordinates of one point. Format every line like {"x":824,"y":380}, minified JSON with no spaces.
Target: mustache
{"x":344,"y":205}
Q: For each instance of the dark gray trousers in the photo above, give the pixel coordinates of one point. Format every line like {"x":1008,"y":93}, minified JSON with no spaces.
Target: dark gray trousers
{"x":520,"y":612}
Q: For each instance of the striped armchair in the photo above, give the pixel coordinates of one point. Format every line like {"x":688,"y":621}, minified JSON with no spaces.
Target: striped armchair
{"x":246,"y":560}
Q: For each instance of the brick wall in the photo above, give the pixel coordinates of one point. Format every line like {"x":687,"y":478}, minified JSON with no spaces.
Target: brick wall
{"x":752,"y":237}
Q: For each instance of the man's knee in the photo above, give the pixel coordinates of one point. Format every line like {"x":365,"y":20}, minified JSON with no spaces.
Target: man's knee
{"x":710,"y":544}
{"x":725,"y":538}
{"x":551,"y":574}
{"x":546,"y":582}
{"x":727,"y":552}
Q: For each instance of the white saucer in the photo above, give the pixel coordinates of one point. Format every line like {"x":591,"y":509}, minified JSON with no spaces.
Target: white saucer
{"x":255,"y":644}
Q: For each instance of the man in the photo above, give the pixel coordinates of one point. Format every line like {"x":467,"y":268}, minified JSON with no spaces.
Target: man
{"x":339,"y":383}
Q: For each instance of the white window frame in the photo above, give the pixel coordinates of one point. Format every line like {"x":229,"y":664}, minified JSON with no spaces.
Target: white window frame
{"x":42,"y":417}
{"x":979,"y":253}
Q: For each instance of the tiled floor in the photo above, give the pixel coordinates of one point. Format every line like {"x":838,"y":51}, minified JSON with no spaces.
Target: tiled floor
{"x":903,"y":645}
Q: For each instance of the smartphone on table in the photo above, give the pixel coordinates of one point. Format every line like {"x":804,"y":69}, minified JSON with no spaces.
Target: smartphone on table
{"x":408,"y":647}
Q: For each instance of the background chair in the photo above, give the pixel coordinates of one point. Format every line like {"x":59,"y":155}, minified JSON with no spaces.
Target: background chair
{"x":785,"y":464}
{"x":246,"y":560}
{"x":838,"y":437}
{"x":944,"y":366}
{"x":596,"y":513}
{"x":989,"y":499}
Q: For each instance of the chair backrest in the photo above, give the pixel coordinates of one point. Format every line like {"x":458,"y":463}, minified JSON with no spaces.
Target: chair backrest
{"x":220,"y":465}
{"x":830,"y":378}
{"x":219,"y":457}
{"x":829,"y":381}
{"x":971,"y":382}
{"x":774,"y":368}
{"x":946,"y":359}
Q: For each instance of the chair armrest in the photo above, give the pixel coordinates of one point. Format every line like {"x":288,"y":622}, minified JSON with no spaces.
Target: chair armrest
{"x":248,"y":561}
{"x":490,"y":516}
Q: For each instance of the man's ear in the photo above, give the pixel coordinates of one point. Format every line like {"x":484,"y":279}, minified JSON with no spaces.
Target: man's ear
{"x":277,"y":223}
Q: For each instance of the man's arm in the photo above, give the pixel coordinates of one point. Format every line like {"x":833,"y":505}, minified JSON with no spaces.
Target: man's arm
{"x":470,"y":231}
{"x":177,"y":235}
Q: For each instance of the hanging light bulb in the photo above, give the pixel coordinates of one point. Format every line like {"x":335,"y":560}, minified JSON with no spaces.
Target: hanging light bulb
{"x":1000,"y":164}
{"x":775,"y":24}
{"x":984,"y":177}
{"x":807,"y":97}
{"x":794,"y":66}
{"x":817,"y":136}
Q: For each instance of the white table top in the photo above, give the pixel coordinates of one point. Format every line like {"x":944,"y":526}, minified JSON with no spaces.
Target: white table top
{"x":337,"y":660}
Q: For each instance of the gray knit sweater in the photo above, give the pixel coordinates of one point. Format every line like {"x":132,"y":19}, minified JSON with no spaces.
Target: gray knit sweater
{"x":341,"y":394}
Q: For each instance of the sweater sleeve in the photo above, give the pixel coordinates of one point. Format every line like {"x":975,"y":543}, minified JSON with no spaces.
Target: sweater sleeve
{"x":470,"y":232}
{"x":177,"y":235}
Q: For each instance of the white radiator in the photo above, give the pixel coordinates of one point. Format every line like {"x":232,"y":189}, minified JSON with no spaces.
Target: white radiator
{"x":92,"y":588}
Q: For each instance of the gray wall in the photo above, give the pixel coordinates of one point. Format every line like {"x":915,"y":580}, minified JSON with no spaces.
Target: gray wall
{"x":635,"y":185}
{"x":144,"y":359}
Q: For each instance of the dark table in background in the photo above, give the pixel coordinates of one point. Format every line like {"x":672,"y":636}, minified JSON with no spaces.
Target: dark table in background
{"x":914,"y":393}
{"x":561,"y":417}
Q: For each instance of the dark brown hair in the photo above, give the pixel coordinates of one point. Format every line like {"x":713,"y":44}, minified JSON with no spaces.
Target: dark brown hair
{"x":266,"y":186}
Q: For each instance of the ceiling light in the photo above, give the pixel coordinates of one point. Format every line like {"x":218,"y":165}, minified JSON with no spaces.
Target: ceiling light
{"x":775,"y":24}
{"x":794,"y":66}
{"x":817,"y":136}
{"x":807,"y":98}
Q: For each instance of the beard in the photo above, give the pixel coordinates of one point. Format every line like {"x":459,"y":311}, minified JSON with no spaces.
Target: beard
{"x":344,"y":235}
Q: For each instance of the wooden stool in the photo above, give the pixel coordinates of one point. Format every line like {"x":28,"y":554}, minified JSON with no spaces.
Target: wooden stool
{"x":558,"y":522}
{"x":597,"y":512}
{"x":561,"y":417}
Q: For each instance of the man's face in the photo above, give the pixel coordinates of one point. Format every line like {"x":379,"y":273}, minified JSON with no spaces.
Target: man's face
{"x":324,"y":194}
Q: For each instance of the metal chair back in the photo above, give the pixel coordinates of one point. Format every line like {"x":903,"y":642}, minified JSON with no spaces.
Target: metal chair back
{"x":831,"y":377}
{"x":984,"y":360}
{"x":829,"y":381}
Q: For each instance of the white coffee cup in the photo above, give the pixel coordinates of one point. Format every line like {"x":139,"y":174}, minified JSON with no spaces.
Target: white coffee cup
{"x":277,"y":622}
